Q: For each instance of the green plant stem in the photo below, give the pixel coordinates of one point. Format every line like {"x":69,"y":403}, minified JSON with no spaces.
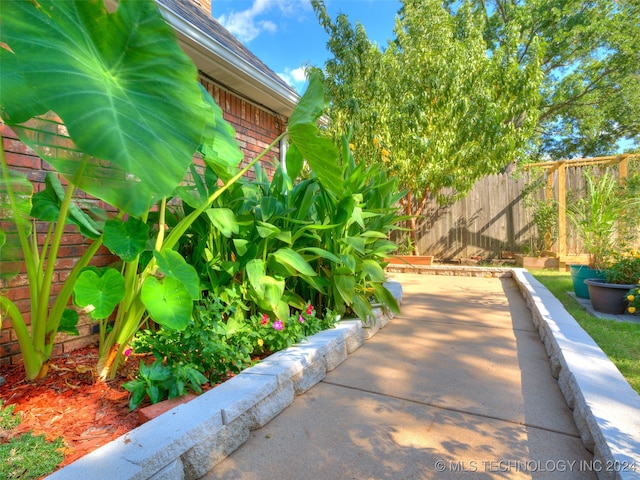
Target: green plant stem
{"x":31,"y":358}
{"x":43,"y":323}
{"x":62,"y":299}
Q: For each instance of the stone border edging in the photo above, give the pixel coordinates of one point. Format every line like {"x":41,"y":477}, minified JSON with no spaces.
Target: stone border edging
{"x":190,"y":439}
{"x":605,"y":407}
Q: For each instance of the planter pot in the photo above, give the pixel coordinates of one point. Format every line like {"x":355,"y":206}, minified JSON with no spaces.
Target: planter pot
{"x":410,"y":260}
{"x":523,"y":261}
{"x":608,"y":297}
{"x":580,"y":273}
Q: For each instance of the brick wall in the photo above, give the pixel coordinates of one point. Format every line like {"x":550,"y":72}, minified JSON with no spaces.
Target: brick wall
{"x":255,"y":129}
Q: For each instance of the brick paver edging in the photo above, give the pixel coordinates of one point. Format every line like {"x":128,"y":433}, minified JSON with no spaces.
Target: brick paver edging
{"x":190,"y":439}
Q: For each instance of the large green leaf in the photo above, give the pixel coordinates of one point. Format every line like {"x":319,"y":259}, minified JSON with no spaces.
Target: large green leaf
{"x":224,"y":220}
{"x":255,"y":270}
{"x":373,"y":270}
{"x":69,"y":322}
{"x":385,"y":296}
{"x":220,"y":149}
{"x":168,"y":302}
{"x":46,"y":206}
{"x":319,"y":151}
{"x":101,"y":289}
{"x":127,"y":95}
{"x":346,"y":286}
{"x":322,"y":253}
{"x":294,"y":260}
{"x":126,"y":239}
{"x":173,"y":265}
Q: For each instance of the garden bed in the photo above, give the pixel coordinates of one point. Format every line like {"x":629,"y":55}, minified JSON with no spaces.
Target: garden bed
{"x":190,"y":439}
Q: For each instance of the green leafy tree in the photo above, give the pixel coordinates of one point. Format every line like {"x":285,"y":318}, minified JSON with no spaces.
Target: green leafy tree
{"x":433,"y":106}
{"x":590,"y":93}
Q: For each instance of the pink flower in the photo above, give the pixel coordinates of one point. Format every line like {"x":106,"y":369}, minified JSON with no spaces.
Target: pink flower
{"x":309,"y":309}
{"x":278,"y":325}
{"x":301,"y":318}
{"x":128,"y":352}
{"x":265,"y":319}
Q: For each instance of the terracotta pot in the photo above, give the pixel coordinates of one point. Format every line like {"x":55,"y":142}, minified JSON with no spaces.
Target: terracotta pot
{"x":410,"y":260}
{"x":608,"y":297}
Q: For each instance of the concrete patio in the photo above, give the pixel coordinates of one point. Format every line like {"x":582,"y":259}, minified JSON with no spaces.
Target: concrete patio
{"x":484,"y":372}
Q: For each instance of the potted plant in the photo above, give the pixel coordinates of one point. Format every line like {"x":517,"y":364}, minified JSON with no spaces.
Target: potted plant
{"x":536,"y":252}
{"x":622,"y":274}
{"x":405,"y":254}
{"x":595,"y":216}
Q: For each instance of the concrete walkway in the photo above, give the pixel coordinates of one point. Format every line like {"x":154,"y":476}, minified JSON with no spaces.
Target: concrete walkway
{"x":457,"y":386}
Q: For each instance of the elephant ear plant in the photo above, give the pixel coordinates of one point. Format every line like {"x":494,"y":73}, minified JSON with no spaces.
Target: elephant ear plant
{"x":111,"y":102}
{"x":105,"y":99}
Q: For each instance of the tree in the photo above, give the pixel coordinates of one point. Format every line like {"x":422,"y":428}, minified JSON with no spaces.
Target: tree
{"x":590,"y":93}
{"x":433,"y":106}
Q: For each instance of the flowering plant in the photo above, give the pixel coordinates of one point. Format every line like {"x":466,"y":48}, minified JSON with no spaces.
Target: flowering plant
{"x":277,"y":334}
{"x":633,"y":297}
{"x":624,"y":268}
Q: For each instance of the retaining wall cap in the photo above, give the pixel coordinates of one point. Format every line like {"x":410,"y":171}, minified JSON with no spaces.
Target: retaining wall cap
{"x":611,"y":408}
{"x":239,"y":394}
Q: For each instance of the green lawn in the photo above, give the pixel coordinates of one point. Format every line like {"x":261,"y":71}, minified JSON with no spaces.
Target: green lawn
{"x":619,"y":340}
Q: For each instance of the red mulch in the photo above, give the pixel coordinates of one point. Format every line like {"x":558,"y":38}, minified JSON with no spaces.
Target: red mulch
{"x":70,"y":403}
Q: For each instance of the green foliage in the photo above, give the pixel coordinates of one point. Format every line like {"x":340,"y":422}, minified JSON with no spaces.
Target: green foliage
{"x":545,"y":217}
{"x":633,"y":300}
{"x":433,"y":107}
{"x":589,"y":96}
{"x":282,"y":244}
{"x":623,"y":268}
{"x":76,"y":77}
{"x":252,"y":245}
{"x":160,"y":382}
{"x":597,"y":213}
{"x":214,"y":341}
{"x":8,"y":419}
{"x":214,"y":344}
{"x":275,"y":335}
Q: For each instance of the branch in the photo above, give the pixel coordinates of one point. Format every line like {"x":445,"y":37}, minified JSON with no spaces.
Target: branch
{"x":588,"y":89}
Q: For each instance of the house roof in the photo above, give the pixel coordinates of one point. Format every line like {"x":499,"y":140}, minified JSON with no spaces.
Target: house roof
{"x":222,"y":57}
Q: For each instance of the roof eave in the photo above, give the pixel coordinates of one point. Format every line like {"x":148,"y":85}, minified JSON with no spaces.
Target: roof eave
{"x":224,"y":66}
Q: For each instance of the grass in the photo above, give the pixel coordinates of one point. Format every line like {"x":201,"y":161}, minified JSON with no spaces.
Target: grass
{"x":25,"y":456}
{"x":620,"y":341}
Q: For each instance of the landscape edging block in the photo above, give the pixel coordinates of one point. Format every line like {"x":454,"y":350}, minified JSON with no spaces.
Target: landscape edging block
{"x":607,"y":415}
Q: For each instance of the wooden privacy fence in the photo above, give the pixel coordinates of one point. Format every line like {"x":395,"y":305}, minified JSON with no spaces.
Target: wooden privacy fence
{"x":494,"y":218}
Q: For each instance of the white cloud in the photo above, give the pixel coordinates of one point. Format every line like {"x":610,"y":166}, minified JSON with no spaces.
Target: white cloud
{"x":246,"y":25}
{"x":296,"y":77}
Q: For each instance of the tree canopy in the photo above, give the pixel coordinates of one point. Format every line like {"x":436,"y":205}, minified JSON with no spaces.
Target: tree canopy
{"x":432,"y":106}
{"x":467,"y":87}
{"x":590,"y":91}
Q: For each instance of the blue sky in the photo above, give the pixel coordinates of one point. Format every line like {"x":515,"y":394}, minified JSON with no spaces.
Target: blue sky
{"x":286,"y":35}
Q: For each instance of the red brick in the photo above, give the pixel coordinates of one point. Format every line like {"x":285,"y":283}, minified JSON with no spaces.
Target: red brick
{"x":152,"y":411}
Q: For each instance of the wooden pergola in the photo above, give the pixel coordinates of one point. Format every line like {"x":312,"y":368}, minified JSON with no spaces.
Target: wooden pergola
{"x":560,"y":166}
